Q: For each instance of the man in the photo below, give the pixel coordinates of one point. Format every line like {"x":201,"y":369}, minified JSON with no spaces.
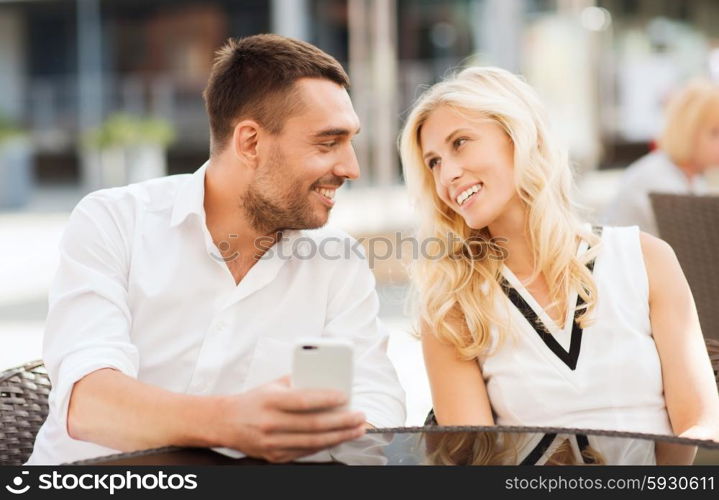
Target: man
{"x":177,"y":301}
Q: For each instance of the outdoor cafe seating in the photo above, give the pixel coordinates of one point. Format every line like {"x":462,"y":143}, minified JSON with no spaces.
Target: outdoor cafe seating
{"x":24,"y":394}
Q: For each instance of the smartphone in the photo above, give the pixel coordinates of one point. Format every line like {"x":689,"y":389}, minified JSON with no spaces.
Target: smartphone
{"x":322,"y":363}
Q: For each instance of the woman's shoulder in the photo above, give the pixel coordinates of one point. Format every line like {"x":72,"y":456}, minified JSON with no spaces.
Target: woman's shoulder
{"x":654,"y":246}
{"x":633,"y":238}
{"x":613,"y":237}
{"x":620,"y":257}
{"x":620,"y":236}
{"x":659,"y":257}
{"x":649,"y":165}
{"x":634,"y":253}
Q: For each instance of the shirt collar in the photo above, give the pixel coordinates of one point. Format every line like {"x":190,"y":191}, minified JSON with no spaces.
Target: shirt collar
{"x":190,"y":197}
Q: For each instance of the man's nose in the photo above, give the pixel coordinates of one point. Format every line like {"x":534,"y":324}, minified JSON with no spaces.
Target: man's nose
{"x":348,"y":167}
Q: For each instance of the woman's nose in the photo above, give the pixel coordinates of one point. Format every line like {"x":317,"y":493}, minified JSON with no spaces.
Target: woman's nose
{"x":450,"y":172}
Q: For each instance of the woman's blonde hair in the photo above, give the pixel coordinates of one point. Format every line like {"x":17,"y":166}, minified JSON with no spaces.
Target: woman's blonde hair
{"x":456,"y":291}
{"x":686,"y":113}
{"x":471,"y":448}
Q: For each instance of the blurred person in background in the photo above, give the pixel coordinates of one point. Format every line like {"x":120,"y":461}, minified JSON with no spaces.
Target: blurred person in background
{"x":688,"y":146}
{"x":177,"y":302}
{"x":570,"y":326}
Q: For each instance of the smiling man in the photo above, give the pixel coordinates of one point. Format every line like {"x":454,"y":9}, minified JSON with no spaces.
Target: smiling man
{"x":170,"y":325}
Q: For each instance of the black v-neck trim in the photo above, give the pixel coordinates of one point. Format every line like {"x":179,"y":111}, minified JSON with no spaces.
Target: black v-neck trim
{"x":543,"y":445}
{"x":533,"y":456}
{"x":583,"y":444}
{"x":570,"y":357}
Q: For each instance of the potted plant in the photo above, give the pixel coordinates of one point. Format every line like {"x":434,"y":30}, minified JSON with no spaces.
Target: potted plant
{"x":15,"y":165}
{"x":129,"y":149}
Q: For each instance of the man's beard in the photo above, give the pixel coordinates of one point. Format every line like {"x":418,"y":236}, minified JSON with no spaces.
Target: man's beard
{"x":272,"y":206}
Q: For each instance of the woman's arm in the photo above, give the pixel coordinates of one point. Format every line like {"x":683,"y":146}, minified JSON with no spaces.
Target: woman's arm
{"x":690,"y":390}
{"x":459,"y":395}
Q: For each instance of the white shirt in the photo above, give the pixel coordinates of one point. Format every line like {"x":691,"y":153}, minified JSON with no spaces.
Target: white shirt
{"x":616,"y":382}
{"x":141,"y":288}
{"x":654,"y":172}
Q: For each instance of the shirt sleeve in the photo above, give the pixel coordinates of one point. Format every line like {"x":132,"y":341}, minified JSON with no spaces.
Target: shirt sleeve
{"x":352,"y":314}
{"x":88,"y":322}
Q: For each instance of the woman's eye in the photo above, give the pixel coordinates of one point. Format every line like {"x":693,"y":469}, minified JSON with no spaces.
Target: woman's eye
{"x":432,"y":163}
{"x":458,"y":142}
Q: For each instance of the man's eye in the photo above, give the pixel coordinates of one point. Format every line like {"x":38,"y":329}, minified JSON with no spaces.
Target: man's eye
{"x":329,"y":144}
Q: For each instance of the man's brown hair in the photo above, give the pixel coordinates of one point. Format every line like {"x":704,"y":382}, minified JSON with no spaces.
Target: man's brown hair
{"x":254,"y":78}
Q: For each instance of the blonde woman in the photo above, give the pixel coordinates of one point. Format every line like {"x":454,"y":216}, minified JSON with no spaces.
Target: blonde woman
{"x":688,"y":146}
{"x":572,"y":327}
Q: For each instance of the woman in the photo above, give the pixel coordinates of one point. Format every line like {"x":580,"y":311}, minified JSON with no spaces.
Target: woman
{"x":688,"y":147}
{"x":572,"y":327}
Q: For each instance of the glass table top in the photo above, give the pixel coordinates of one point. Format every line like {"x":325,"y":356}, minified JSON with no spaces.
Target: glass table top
{"x":437,"y":445}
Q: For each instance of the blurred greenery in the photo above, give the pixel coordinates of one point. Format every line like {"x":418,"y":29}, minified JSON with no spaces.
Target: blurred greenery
{"x":9,"y":129}
{"x":123,"y":130}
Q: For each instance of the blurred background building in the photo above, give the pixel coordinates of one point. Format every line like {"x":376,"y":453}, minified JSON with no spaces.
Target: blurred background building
{"x":79,"y":77}
{"x":603,"y":67}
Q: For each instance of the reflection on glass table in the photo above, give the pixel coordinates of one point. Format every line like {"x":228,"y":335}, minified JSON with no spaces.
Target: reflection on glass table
{"x":435,"y":445}
{"x":549,"y":447}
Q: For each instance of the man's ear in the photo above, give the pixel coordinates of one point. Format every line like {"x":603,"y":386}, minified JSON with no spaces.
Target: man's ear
{"x":244,"y":141}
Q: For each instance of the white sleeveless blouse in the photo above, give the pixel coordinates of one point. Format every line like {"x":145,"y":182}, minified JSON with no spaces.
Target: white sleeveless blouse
{"x":607,"y":376}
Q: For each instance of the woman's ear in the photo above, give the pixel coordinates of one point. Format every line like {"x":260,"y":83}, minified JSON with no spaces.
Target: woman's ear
{"x":244,"y":141}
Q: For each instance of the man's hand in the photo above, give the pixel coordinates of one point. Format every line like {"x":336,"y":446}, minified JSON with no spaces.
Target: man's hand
{"x":280,"y":424}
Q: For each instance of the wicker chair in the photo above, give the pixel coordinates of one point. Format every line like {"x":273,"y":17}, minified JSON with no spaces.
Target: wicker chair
{"x":690,"y":224}
{"x":713,"y":348}
{"x":23,"y":408}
